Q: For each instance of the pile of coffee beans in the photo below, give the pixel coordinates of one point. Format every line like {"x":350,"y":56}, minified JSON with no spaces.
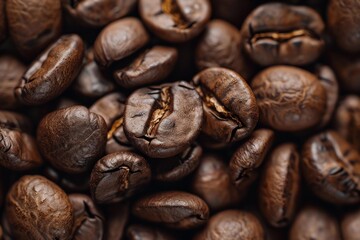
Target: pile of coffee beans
{"x":179,"y":119}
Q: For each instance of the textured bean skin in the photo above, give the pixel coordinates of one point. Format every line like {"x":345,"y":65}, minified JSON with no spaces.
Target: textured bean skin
{"x":344,"y":23}
{"x":232,"y":224}
{"x":235,"y":114}
{"x":36,"y":208}
{"x":173,"y":209}
{"x":118,"y":40}
{"x":52,"y":73}
{"x":72,"y":139}
{"x":23,"y":15}
{"x":249,"y":156}
{"x":186,"y":20}
{"x":92,"y":13}
{"x":350,"y":225}
{"x":3,"y":25}
{"x":331,"y":167}
{"x":314,"y":223}
{"x":18,"y":150}
{"x":11,"y":71}
{"x":279,"y":188}
{"x":290,"y":99}
{"x":118,"y":176}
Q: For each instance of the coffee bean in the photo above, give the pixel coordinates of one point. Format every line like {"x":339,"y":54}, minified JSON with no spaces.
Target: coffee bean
{"x":118,"y":176}
{"x":162,"y":121}
{"x":173,"y":209}
{"x":33,"y":24}
{"x":52,"y":73}
{"x":331,"y":167}
{"x":72,"y":139}
{"x":290,"y":99}
{"x":278,"y":33}
{"x":350,"y":225}
{"x":230,"y":109}
{"x":36,"y":208}
{"x":175,"y":20}
{"x":279,"y":188}
{"x":137,"y":232}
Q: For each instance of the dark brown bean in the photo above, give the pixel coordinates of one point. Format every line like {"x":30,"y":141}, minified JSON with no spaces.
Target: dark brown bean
{"x":139,"y":232}
{"x":350,"y":225}
{"x":116,"y":219}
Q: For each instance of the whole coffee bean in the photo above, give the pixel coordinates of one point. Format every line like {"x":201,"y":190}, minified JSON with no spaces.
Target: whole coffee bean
{"x":230,"y":109}
{"x":175,"y":20}
{"x":344,"y":23}
{"x":36,"y":208}
{"x":328,"y":80}
{"x":162,"y":121}
{"x":279,"y":188}
{"x":151,"y":66}
{"x":221,"y":46}
{"x":88,"y":221}
{"x":278,"y":33}
{"x":141,"y":232}
{"x":11,"y":71}
{"x":116,"y":219}
{"x":177,"y":167}
{"x":213,"y":184}
{"x":347,"y":120}
{"x":52,"y":73}
{"x":92,"y":13}
{"x":347,"y":68}
{"x":3,"y":23}
{"x":118,"y":176}
{"x":331,"y":167}
{"x":33,"y":24}
{"x":314,"y":223}
{"x":290,"y":99}
{"x":246,"y":160}
{"x":72,"y":139}
{"x":350,"y":225}
{"x":18,"y":150}
{"x":91,"y":82}
{"x":173,"y":209}
{"x":230,"y":225}
{"x":119,"y":40}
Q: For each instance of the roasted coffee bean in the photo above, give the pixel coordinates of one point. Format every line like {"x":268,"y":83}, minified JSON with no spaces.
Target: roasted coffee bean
{"x":213,"y":184}
{"x":162,"y":121}
{"x":175,"y":20}
{"x":52,"y":73}
{"x":88,"y":220}
{"x":116,"y":219}
{"x":290,"y":99}
{"x":33,"y":24}
{"x":142,"y":232}
{"x":11,"y":71}
{"x":151,"y":66}
{"x":118,"y":176}
{"x":230,"y":110}
{"x":179,"y":166}
{"x":246,"y":160}
{"x":3,"y":23}
{"x":72,"y":139}
{"x":232,"y":224}
{"x":92,"y":13}
{"x":331,"y":167}
{"x":220,"y":46}
{"x":279,"y":188}
{"x":327,"y":78}
{"x":350,"y":225}
{"x":173,"y":209}
{"x":91,"y":82}
{"x":347,"y":120}
{"x":119,"y":40}
{"x":18,"y":150}
{"x":36,"y":208}
{"x":344,"y":23}
{"x":314,"y":223}
{"x":278,"y":33}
